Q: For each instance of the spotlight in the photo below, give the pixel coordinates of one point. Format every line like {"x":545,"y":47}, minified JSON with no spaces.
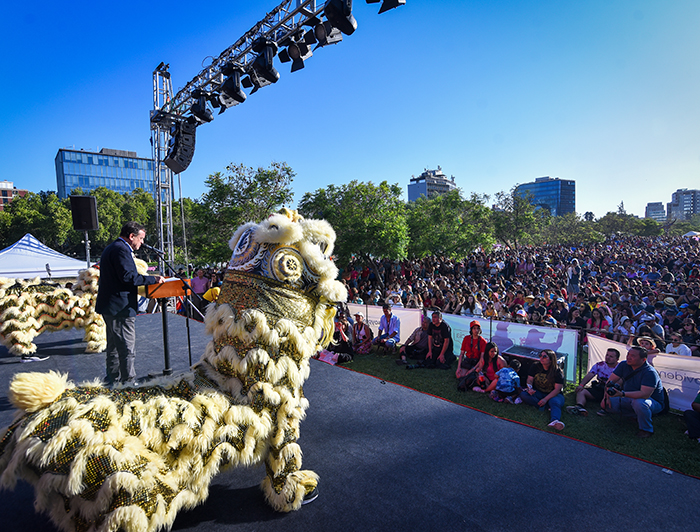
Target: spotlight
{"x":200,"y":108}
{"x":326,"y":34}
{"x":387,"y":4}
{"x":339,"y":14}
{"x":231,"y":92}
{"x":297,"y":52}
{"x":263,"y":71}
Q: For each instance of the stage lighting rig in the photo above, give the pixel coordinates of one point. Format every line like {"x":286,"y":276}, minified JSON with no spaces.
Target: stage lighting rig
{"x":387,"y":4}
{"x":291,"y":28}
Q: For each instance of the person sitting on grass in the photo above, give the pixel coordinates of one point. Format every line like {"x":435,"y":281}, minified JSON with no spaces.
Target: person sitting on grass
{"x":417,"y":344}
{"x":544,"y":387}
{"x":389,"y":329}
{"x":692,"y":419}
{"x":489,"y":363}
{"x":508,"y":384}
{"x":597,"y":377}
{"x":473,"y":347}
{"x":440,"y":345}
{"x":362,"y":335}
{"x":639,"y":391}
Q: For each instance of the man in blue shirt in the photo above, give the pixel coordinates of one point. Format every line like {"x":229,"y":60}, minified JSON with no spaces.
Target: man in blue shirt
{"x":389,"y":329}
{"x":642,"y":393}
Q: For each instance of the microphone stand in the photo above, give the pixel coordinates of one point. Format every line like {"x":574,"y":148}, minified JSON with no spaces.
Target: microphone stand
{"x":163,"y":304}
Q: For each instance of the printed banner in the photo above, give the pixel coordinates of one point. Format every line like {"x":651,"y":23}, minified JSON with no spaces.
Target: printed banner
{"x":680,"y":375}
{"x":520,"y":338}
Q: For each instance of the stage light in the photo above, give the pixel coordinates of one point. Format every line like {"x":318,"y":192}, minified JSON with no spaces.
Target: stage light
{"x":339,"y":14}
{"x":180,"y":146}
{"x":263,"y":71}
{"x":326,"y":34}
{"x":199,"y":108}
{"x":387,"y":4}
{"x":231,"y":92}
{"x":297,"y":52}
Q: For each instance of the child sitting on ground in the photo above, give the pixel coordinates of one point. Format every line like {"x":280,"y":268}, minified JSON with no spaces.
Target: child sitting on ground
{"x":508,"y":385}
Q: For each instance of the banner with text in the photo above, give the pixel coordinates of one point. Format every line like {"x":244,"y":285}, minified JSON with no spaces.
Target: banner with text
{"x":680,"y":375}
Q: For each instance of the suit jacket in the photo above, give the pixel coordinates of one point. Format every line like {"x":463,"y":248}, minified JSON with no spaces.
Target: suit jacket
{"x":117,"y":294}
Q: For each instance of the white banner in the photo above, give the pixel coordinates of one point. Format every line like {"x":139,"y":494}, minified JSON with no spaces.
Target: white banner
{"x":680,"y":375}
{"x":507,"y":335}
{"x":409,"y":318}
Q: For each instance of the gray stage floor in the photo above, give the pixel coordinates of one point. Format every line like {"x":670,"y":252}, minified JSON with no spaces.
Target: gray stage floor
{"x":391,"y":458}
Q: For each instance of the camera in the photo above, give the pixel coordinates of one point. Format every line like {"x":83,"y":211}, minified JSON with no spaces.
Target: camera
{"x":613,"y":388}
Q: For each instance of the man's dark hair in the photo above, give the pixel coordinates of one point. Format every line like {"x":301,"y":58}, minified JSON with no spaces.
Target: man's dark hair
{"x":643,"y":353}
{"x":131,"y":228}
{"x":386,"y":306}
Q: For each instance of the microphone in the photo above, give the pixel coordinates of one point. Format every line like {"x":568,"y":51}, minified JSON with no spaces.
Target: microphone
{"x":156,"y":250}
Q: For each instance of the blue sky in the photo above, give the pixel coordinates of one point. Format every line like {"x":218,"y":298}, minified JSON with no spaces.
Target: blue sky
{"x":496,"y":92}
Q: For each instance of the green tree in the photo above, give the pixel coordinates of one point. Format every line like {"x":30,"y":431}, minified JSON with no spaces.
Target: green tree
{"x":449,"y":225}
{"x":242,"y":194}
{"x":109,"y":215}
{"x":571,"y":230}
{"x":516,"y":220}
{"x":619,"y":223}
{"x":369,"y":220}
{"x":140,"y":206}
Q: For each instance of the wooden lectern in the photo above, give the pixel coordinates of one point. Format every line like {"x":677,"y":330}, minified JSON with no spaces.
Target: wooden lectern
{"x":173,"y":287}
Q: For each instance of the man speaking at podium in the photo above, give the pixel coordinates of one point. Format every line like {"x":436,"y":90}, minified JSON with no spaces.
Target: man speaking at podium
{"x":117,"y":301}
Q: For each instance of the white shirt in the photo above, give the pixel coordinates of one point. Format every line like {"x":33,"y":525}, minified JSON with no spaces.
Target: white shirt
{"x":682,"y":350}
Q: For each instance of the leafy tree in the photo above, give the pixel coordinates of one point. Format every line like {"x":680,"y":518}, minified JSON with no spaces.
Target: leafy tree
{"x":109,"y":214}
{"x":649,"y":227}
{"x":516,"y":220}
{"x":449,"y":225}
{"x":571,"y":230}
{"x":240,"y":195}
{"x":589,"y":216}
{"x":369,"y":220}
{"x":140,"y":206}
{"x":619,"y":223}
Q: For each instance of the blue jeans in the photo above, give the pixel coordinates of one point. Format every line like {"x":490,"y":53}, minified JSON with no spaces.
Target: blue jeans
{"x":555,"y":403}
{"x":641,"y":408}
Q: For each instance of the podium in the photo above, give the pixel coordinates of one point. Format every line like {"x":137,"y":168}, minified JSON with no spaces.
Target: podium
{"x":171,"y":287}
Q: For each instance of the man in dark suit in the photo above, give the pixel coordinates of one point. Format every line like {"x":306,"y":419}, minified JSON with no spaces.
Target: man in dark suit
{"x":117,"y":301}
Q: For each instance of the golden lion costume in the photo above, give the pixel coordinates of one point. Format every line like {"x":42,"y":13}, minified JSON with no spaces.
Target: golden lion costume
{"x":131,"y":458}
{"x":28,"y":308}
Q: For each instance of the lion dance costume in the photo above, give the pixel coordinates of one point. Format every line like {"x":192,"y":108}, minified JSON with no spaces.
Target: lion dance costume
{"x":130,"y":458}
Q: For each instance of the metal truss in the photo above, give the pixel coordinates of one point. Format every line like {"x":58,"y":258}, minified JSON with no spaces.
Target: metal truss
{"x":163,"y":176}
{"x":286,"y":19}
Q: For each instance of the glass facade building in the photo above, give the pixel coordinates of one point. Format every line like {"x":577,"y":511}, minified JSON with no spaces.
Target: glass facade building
{"x":121,"y":171}
{"x":554,"y":194}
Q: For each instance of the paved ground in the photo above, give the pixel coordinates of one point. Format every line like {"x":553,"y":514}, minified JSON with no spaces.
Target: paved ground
{"x":391,"y":458}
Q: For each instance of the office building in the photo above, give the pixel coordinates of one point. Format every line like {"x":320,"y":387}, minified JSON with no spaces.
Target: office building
{"x":8,"y":192}
{"x":684,"y":204}
{"x":429,"y":183}
{"x":556,"y":195}
{"x":655,"y":211}
{"x":118,"y":170}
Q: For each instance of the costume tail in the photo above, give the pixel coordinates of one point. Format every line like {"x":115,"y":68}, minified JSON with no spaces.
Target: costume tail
{"x":33,"y":391}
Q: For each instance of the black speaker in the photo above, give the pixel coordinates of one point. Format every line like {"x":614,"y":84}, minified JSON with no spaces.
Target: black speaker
{"x":181,"y":146}
{"x":84,"y":210}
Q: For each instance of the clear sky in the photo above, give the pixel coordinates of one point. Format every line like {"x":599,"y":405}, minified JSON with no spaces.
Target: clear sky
{"x":496,"y":92}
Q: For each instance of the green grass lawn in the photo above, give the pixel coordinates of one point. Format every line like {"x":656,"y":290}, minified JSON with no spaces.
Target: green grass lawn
{"x":669,"y":447}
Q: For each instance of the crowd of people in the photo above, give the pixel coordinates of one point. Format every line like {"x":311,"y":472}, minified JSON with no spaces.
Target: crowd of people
{"x":622,"y":289}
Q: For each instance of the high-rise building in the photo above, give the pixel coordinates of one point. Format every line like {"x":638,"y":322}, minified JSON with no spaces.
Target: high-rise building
{"x":684,"y":204}
{"x":118,"y":170}
{"x":8,"y":192}
{"x":655,"y":211}
{"x":429,"y":183}
{"x":556,"y":195}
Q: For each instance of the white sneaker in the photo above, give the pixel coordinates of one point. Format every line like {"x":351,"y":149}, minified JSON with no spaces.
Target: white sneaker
{"x":477,"y":389}
{"x":33,"y":359}
{"x":557,"y":425}
{"x":518,"y":400}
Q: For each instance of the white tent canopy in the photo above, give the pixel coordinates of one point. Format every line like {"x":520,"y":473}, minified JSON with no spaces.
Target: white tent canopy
{"x":28,"y":258}
{"x":692,"y":233}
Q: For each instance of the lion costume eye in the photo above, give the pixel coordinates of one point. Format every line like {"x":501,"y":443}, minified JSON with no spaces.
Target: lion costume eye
{"x":287,"y":265}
